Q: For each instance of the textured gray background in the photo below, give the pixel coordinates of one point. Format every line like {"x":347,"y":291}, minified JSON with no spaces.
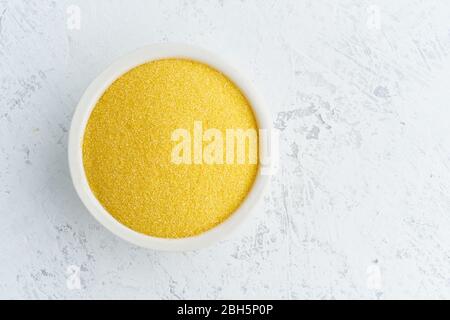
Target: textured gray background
{"x":360,"y":207}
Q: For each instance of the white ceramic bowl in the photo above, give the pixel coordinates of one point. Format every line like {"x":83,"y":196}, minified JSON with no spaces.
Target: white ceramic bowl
{"x":88,"y":102}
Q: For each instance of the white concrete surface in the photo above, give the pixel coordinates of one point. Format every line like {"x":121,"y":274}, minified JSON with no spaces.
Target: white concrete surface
{"x":360,"y":207}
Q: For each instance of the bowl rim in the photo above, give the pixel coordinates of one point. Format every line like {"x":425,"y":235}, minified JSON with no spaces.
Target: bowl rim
{"x":87,"y":104}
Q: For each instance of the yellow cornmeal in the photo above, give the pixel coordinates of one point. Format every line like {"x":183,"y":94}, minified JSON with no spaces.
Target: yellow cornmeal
{"x":127,"y":149}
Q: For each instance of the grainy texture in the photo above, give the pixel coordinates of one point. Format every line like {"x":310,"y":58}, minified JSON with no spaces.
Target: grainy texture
{"x":129,"y":154}
{"x":359,"y":207}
